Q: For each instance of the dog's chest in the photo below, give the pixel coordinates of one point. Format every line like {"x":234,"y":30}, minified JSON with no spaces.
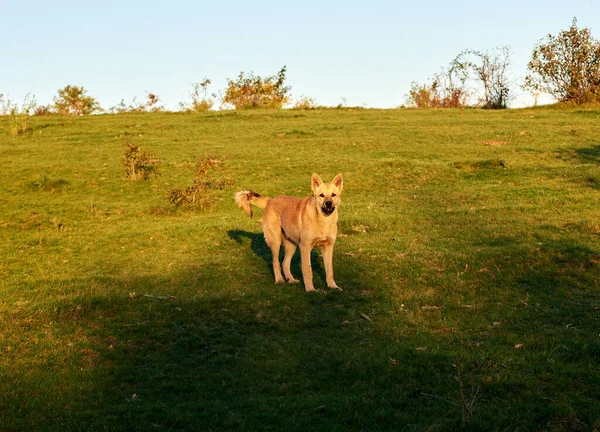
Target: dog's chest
{"x":324,"y":232}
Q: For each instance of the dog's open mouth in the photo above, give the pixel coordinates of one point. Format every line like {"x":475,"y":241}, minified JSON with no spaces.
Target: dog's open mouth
{"x":327,"y":210}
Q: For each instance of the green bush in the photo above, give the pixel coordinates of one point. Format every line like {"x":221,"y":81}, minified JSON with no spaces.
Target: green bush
{"x":253,"y":91}
{"x":139,"y":165}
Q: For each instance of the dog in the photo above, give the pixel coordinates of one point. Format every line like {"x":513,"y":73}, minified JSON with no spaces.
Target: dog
{"x":310,"y":222}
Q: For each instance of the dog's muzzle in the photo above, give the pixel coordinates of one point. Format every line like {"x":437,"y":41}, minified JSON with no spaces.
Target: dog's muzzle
{"x":328,"y":208}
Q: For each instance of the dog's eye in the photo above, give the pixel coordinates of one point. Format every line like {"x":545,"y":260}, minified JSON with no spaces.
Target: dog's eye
{"x":332,"y":195}
{"x":322,"y":196}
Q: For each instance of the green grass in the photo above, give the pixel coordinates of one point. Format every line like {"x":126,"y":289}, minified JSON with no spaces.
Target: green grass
{"x":464,"y":234}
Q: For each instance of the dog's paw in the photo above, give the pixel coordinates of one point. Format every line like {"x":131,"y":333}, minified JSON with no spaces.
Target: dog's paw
{"x":310,"y":289}
{"x":279,"y":281}
{"x":293,"y":281}
{"x":334,"y":286}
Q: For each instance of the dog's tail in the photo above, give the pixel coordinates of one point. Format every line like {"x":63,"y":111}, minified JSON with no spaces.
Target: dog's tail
{"x":246,"y":198}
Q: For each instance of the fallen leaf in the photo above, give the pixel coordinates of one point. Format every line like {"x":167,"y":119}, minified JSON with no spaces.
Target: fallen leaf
{"x":429,"y":307}
{"x":495,"y":323}
{"x":422,"y":349}
{"x":494,"y":143}
{"x":518,"y":346}
{"x":365,"y":317}
{"x":394,"y":361}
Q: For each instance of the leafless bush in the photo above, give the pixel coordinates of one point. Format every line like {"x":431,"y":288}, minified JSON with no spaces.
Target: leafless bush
{"x":446,"y":90}
{"x":491,"y":73}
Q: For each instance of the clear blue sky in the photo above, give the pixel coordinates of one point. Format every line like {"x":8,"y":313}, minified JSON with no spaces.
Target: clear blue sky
{"x":367,"y":52}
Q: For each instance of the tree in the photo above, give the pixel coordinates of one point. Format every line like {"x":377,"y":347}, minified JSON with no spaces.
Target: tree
{"x":566,"y":66}
{"x":491,"y":72}
{"x":253,"y":91}
{"x":73,"y":100}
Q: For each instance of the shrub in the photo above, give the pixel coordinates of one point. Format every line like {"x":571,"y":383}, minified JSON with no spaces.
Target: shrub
{"x":139,"y":165}
{"x":253,"y":91}
{"x":566,"y":66}
{"x":73,"y":100}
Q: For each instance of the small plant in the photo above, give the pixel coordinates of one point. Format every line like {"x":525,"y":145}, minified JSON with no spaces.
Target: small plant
{"x":150,"y":104}
{"x":196,"y":195}
{"x":200,"y":99}
{"x":4,"y":109}
{"x":19,"y":116}
{"x":305,"y":103}
{"x":44,"y":110}
{"x":73,"y":100}
{"x":139,"y":165}
{"x":253,"y":91}
{"x":470,"y":377}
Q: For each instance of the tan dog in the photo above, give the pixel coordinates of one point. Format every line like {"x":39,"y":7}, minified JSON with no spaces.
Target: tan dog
{"x":309,"y":223}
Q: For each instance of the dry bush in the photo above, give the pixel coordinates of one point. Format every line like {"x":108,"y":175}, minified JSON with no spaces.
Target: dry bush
{"x":253,"y":91}
{"x":207,"y":176}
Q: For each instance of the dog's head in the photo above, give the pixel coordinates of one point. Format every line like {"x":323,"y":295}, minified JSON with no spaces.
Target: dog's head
{"x":327,"y":195}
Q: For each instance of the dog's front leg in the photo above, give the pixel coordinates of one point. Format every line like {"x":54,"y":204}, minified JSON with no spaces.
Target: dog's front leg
{"x":307,"y":274}
{"x":328,"y":261}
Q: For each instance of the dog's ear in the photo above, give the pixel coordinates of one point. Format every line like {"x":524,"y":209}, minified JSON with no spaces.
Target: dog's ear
{"x":338,"y":182}
{"x":315,"y":182}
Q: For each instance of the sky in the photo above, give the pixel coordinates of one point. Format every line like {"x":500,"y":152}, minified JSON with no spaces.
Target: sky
{"x":360,"y":53}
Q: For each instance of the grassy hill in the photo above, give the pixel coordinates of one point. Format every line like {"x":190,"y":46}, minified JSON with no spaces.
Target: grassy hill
{"x":469,"y":258}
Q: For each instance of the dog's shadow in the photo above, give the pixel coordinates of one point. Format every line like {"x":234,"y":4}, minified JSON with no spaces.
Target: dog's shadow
{"x":261,"y":249}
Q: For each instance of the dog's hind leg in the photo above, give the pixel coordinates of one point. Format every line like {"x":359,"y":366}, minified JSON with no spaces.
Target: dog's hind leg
{"x":290,"y":248}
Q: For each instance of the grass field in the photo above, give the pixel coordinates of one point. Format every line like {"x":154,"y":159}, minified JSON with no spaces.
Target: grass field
{"x":469,"y":257}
